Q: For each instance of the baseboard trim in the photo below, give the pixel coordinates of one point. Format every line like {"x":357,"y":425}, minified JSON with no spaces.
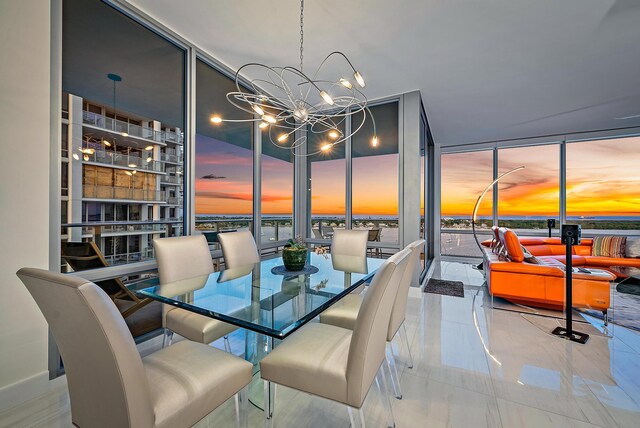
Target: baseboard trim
{"x":27,"y":389}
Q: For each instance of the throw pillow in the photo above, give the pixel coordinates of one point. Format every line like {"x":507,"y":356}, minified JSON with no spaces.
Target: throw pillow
{"x":609,"y":246}
{"x":530,"y":258}
{"x":633,"y":247}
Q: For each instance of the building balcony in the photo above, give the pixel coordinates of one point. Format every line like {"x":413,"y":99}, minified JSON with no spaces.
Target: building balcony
{"x":116,"y":159}
{"x":127,"y":129}
{"x":171,"y":157}
{"x":173,"y":200}
{"x":171,"y":179}
{"x":122,"y":193}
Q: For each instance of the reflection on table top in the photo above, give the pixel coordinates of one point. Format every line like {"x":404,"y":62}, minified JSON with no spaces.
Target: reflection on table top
{"x":252,"y":297}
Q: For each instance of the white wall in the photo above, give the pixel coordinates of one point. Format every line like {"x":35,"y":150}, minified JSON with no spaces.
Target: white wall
{"x":24,"y":192}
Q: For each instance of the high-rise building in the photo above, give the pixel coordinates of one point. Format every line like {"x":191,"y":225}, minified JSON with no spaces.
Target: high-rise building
{"x":122,"y":179}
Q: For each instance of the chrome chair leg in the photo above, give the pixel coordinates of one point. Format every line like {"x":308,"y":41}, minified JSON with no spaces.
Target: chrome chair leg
{"x":168,"y":338}
{"x":384,"y":397}
{"x":405,"y":338}
{"x":393,"y":371}
{"x":356,"y":422}
{"x":269,"y":403}
{"x":227,"y":344}
{"x":242,"y":408}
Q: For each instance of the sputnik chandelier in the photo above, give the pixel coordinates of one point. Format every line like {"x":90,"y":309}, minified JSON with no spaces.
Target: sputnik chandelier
{"x":287,"y":100}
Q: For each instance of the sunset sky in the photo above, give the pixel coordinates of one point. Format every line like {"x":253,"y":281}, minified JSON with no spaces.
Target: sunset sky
{"x":603,"y":179}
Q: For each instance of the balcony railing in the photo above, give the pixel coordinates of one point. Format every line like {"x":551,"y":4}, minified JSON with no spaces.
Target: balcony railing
{"x":173,"y":179}
{"x":173,"y":200}
{"x":104,"y":122}
{"x":106,"y":192}
{"x":124,"y":258}
{"x":122,"y":159}
{"x":173,"y":158}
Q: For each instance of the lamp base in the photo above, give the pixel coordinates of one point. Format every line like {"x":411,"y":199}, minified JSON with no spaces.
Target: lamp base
{"x":574,"y":336}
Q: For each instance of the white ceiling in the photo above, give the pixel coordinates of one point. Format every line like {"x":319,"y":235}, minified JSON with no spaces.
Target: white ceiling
{"x":487,"y":69}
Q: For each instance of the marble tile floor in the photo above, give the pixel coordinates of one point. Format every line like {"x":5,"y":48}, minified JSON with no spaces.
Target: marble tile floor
{"x":473,"y":367}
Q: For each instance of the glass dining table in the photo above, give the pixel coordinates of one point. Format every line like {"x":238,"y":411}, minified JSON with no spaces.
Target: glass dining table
{"x":268,"y":304}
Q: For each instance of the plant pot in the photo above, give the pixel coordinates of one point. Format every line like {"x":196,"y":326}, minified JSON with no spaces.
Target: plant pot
{"x":294,"y":259}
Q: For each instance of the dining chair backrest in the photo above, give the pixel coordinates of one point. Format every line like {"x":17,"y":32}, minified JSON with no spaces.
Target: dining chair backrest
{"x":182,"y":257}
{"x":373,"y":235}
{"x":349,"y":242}
{"x":368,"y":342}
{"x":105,"y":376}
{"x":238,"y":248}
{"x":400,"y":306}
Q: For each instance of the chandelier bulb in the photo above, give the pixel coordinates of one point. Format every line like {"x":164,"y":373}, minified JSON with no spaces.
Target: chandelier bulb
{"x":148,"y":148}
{"x":327,"y":98}
{"x":149,"y":159}
{"x":263,"y":125}
{"x":374,"y":141}
{"x":106,"y":143}
{"x":216,"y":119}
{"x":76,"y":157}
{"x":359,"y":78}
{"x":134,"y":171}
{"x":326,"y":147}
{"x":86,"y":157}
{"x":124,"y":134}
{"x":268,"y":118}
{"x":333,"y":134}
{"x":283,"y":137}
{"x":258,"y":109}
{"x":128,"y":172}
{"x":301,"y":114}
{"x":346,"y":83}
{"x":132,"y":165}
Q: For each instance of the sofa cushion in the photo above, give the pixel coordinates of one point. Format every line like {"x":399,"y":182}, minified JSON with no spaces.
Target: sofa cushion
{"x":611,"y":261}
{"x":609,"y":246}
{"x":633,"y":247}
{"x":512,"y":245}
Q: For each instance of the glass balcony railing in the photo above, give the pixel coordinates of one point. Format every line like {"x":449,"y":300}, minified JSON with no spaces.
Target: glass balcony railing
{"x":107,"y":192}
{"x":171,"y":157}
{"x":110,"y":124}
{"x":173,"y":200}
{"x":173,"y":179}
{"x":107,"y":157}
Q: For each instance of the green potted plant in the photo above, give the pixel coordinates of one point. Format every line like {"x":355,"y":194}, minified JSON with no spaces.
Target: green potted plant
{"x":294,"y":254}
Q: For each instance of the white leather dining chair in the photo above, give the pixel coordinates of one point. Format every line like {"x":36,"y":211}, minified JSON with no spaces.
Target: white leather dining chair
{"x":349,"y":242}
{"x":238,"y":249}
{"x":109,"y":384}
{"x":180,"y":258}
{"x":337,"y":363}
{"x":345,"y":312}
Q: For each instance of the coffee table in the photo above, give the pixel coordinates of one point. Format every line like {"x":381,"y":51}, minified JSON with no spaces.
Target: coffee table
{"x":630,"y":284}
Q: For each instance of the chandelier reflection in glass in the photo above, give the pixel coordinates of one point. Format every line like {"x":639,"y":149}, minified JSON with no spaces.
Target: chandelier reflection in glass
{"x":286,"y":100}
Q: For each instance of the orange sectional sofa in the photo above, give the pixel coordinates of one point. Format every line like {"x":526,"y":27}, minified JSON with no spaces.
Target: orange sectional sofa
{"x":540,"y":281}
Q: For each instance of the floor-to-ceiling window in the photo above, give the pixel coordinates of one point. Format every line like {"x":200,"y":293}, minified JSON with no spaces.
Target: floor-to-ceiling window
{"x":327,"y":183}
{"x":122,"y":148}
{"x":277,"y":189}
{"x":375,"y":174}
{"x":603,"y":185}
{"x":530,"y":196}
{"x":463,"y":177}
{"x":224,"y":158}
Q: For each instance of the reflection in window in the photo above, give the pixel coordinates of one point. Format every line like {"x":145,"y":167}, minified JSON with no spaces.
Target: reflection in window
{"x":603,"y":183}
{"x":526,"y":198}
{"x":122,"y":148}
{"x":375,"y":175}
{"x":464,"y":176}
{"x":224,"y":158}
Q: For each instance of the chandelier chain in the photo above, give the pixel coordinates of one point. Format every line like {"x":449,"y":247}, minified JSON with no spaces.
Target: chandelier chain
{"x":301,"y":30}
